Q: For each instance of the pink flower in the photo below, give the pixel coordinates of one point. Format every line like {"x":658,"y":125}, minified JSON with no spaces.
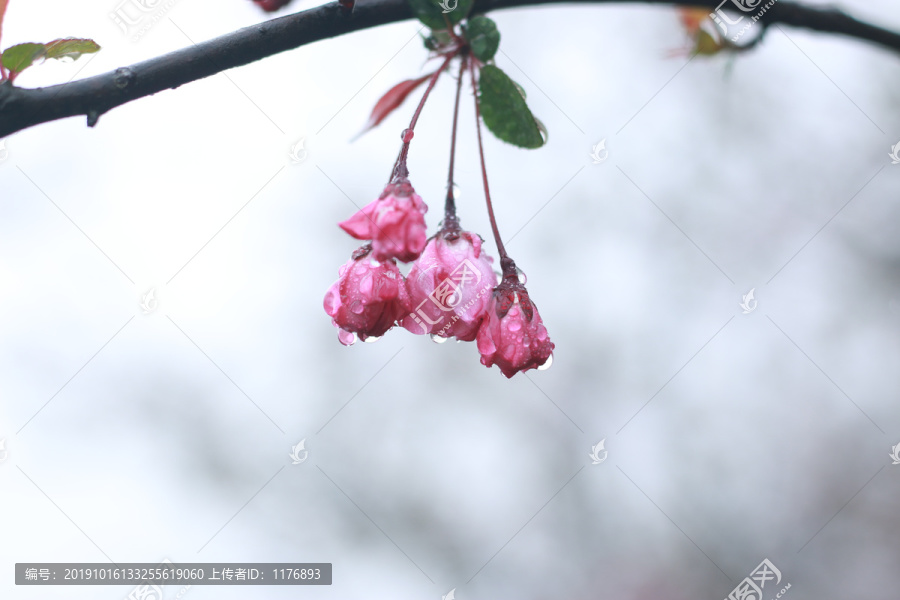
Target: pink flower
{"x":512,"y":335}
{"x":395,"y":223}
{"x":449,"y":287}
{"x":367,"y":299}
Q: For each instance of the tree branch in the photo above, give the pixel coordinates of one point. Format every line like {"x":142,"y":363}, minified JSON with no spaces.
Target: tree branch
{"x":21,"y":108}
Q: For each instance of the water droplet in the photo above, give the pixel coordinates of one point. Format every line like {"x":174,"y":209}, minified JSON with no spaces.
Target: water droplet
{"x":514,"y":326}
{"x":457,"y":192}
{"x":347,"y":338}
{"x":545,"y":135}
{"x":366,"y":285}
{"x":331,"y":302}
{"x":356,"y":307}
{"x":523,"y":278}
{"x":547,"y":364}
{"x":123,"y":77}
{"x":407,"y":135}
{"x":437,"y":339}
{"x":372,"y":339}
{"x":526,"y":341}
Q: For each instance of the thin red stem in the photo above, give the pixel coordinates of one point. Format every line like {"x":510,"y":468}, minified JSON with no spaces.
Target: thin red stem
{"x":450,"y":220}
{"x":400,"y":171}
{"x":504,"y":257}
{"x":452,"y":31}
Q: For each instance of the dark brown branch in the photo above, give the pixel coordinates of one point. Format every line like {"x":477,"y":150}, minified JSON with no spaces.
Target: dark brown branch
{"x":21,"y":108}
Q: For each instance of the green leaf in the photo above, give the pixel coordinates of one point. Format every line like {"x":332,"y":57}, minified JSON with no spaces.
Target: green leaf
{"x":707,"y":44}
{"x":21,"y":56}
{"x":432,"y":12}
{"x":437,"y":40}
{"x":504,"y":110}
{"x":483,"y":37}
{"x":71,"y":48}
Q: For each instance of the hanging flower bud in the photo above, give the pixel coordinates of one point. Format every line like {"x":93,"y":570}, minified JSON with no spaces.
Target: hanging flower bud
{"x":449,"y":287}
{"x":367,"y":299}
{"x":512,"y":335}
{"x":271,"y":5}
{"x":395,"y":223}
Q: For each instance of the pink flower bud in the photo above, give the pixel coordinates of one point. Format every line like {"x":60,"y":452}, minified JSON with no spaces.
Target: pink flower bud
{"x":512,"y":335}
{"x":449,"y":287}
{"x":395,"y":223}
{"x":367,"y":299}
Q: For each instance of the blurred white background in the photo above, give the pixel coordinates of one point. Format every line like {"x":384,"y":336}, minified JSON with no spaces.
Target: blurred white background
{"x":732,"y":437}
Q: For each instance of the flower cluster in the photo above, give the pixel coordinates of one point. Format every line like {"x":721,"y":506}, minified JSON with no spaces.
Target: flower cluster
{"x":451,"y":289}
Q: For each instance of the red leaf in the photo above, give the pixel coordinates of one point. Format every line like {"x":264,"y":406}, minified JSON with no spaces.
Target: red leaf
{"x":391,"y":101}
{"x":2,"y":13}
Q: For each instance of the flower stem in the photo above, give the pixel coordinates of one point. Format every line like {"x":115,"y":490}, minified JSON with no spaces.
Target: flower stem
{"x":400,"y":171}
{"x":507,"y":265}
{"x":451,"y":222}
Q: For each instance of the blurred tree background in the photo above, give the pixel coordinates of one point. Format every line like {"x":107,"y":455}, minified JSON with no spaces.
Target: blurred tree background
{"x":137,"y":435}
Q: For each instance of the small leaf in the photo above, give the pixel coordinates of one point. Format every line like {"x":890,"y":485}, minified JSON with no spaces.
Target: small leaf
{"x":71,"y":48}
{"x":2,"y":13}
{"x":21,"y":56}
{"x":432,"y":12}
{"x":436,"y":40}
{"x":504,"y":110}
{"x":707,"y":44}
{"x":483,"y":37}
{"x":692,"y":18}
{"x":391,"y":101}
{"x":430,"y":43}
